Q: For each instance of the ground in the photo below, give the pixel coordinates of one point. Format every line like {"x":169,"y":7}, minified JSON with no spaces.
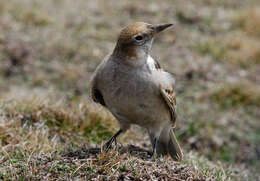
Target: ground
{"x":49,"y":50}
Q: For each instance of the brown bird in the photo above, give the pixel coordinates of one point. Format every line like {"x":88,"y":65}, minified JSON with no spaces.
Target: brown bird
{"x":136,"y":90}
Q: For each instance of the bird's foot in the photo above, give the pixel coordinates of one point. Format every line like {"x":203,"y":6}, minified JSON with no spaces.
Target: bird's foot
{"x":108,"y":144}
{"x":154,"y":147}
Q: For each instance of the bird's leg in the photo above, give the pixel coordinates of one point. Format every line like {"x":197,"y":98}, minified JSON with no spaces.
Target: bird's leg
{"x":108,"y":144}
{"x":154,"y":146}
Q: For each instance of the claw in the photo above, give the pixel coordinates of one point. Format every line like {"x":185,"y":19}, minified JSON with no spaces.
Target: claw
{"x":154,"y":146}
{"x":109,"y":143}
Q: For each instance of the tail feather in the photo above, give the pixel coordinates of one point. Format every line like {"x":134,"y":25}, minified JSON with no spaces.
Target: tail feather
{"x":167,"y":143}
{"x":174,"y":148}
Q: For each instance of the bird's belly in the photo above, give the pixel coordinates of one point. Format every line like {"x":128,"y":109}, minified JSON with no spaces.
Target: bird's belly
{"x":138,"y":104}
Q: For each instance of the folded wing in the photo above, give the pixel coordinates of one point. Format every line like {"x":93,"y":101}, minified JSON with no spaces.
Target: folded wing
{"x":168,"y":95}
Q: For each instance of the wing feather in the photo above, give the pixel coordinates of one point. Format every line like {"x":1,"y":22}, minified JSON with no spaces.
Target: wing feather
{"x":97,"y":96}
{"x":168,"y":94}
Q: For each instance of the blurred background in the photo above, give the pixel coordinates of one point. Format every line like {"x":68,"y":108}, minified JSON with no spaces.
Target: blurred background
{"x":49,"y":50}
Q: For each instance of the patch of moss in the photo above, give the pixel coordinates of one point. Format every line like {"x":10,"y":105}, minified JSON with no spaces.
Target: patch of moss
{"x":226,"y":154}
{"x":97,"y":132}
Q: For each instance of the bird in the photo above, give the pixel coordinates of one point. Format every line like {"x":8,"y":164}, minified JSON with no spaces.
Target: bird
{"x":137,"y":90}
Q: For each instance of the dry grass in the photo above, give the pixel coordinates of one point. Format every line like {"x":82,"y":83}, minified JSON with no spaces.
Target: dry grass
{"x":58,"y":114}
{"x":109,"y":166}
{"x":236,"y":49}
{"x":249,"y":21}
{"x":34,"y":130}
{"x":240,"y":45}
{"x":236,"y":94}
{"x":243,"y":49}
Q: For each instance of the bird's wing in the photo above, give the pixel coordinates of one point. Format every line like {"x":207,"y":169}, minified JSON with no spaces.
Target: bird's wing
{"x":167,"y":82}
{"x":153,"y":64}
{"x":168,"y":95}
{"x":156,"y":64}
{"x":95,"y":93}
{"x":97,"y":96}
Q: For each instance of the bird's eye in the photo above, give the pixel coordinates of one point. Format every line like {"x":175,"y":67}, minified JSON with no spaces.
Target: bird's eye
{"x":139,"y":38}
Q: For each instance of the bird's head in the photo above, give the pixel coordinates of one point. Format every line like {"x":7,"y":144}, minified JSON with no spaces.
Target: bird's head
{"x":135,"y":40}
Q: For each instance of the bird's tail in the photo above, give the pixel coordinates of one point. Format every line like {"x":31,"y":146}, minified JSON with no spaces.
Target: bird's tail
{"x":167,"y":143}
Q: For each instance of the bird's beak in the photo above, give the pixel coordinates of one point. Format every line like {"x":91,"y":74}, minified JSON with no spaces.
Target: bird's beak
{"x":160,"y":27}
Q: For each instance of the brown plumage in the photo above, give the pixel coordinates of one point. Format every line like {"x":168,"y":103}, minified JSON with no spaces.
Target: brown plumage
{"x":130,"y":31}
{"x":168,"y":95}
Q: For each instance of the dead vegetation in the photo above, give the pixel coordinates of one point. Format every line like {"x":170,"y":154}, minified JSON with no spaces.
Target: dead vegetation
{"x":236,"y":94}
{"x":249,"y":21}
{"x":40,"y":140}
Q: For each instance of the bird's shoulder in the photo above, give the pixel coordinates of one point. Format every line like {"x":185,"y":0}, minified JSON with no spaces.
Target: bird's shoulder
{"x":101,"y":66}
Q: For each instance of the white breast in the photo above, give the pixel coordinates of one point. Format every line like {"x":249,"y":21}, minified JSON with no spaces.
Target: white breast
{"x":159,"y":74}
{"x":151,"y":62}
